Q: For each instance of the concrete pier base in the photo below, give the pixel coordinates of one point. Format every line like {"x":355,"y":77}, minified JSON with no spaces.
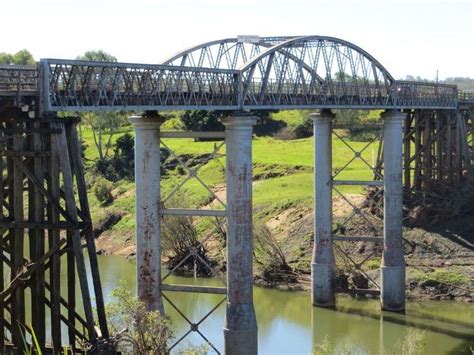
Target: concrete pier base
{"x":323,"y":264}
{"x":323,"y":290}
{"x":392,"y":293}
{"x":147,"y":206}
{"x":393,"y":286}
{"x":240,"y":330}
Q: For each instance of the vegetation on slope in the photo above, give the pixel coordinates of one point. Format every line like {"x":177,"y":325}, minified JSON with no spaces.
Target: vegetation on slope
{"x":282,"y":195}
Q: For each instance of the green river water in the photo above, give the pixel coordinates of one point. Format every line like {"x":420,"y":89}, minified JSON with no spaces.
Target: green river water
{"x":288,"y":324}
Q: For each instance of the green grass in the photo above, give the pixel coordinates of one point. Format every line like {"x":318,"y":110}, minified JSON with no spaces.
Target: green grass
{"x":294,"y":188}
{"x":447,"y":277}
{"x":373,"y":264}
{"x":443,"y":276}
{"x":91,"y":153}
{"x":285,"y":169}
{"x":292,"y":117}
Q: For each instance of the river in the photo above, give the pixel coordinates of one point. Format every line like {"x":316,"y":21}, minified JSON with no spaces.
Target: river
{"x":287,"y":323}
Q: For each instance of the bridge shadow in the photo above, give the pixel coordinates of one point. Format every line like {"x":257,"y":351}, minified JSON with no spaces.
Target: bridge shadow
{"x":459,"y":231}
{"x":377,"y":332}
{"x":450,"y":327}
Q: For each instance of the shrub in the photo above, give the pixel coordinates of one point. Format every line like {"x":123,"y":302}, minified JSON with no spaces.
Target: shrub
{"x":305,"y":129}
{"x":413,"y":343}
{"x":200,"y":120}
{"x":178,"y":237}
{"x":269,"y":255}
{"x":103,"y":191}
{"x":267,"y":126}
{"x":135,"y":329}
{"x":122,"y":164}
{"x":286,"y":133}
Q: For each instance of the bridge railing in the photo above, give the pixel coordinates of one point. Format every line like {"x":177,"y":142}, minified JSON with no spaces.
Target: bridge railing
{"x":348,"y":94}
{"x":103,"y":86}
{"x":286,"y":93}
{"x":98,"y":86}
{"x":425,"y":94}
{"x":18,"y":81}
{"x":466,"y":96}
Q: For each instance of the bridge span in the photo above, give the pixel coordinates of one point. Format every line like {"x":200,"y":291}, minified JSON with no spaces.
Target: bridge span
{"x":427,"y":132}
{"x":230,"y":74}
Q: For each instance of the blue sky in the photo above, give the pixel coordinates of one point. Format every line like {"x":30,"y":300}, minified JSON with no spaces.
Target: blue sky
{"x":408,"y":37}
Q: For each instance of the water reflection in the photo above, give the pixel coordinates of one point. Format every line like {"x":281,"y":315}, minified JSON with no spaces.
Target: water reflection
{"x":288,"y":324}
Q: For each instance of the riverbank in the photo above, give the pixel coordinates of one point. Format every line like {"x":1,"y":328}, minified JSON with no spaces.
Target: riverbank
{"x":439,"y":259}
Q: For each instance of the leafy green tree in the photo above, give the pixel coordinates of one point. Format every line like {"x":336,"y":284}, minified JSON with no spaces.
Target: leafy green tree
{"x":97,"y":55}
{"x":6,"y":58}
{"x":22,"y":57}
{"x":103,"y":124}
{"x":266,"y":125}
{"x":121,"y":164}
{"x":201,"y":120}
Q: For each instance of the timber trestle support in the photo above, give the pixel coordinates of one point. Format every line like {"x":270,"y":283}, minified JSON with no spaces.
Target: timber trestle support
{"x":46,"y":228}
{"x":438,"y":157}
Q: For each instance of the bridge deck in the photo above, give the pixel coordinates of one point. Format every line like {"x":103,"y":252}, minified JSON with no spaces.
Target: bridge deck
{"x":98,"y":86}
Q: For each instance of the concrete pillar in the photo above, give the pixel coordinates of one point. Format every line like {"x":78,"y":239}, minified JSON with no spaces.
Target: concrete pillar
{"x":240,"y":331}
{"x":147,"y":205}
{"x":392,"y":294}
{"x":323,"y":265}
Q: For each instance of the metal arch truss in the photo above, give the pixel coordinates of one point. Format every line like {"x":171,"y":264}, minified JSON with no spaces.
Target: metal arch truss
{"x":232,"y":74}
{"x":191,"y":169}
{"x":229,"y":53}
{"x":363,"y":214}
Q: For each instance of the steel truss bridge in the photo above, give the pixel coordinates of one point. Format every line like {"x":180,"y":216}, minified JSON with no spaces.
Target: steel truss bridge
{"x":244,"y":73}
{"x":235,"y":74}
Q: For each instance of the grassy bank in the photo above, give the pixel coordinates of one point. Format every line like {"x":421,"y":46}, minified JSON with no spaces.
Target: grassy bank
{"x":283,"y":171}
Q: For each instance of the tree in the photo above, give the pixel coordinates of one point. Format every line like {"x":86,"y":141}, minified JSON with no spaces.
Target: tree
{"x":103,"y":124}
{"x":201,"y":120}
{"x":121,"y":164}
{"x":98,"y":56}
{"x":6,"y":58}
{"x":22,"y":57}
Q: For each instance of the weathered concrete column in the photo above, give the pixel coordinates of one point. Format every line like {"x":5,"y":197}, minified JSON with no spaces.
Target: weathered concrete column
{"x":323,"y":266}
{"x":147,"y":205}
{"x":392,"y":294}
{"x":240,"y":331}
